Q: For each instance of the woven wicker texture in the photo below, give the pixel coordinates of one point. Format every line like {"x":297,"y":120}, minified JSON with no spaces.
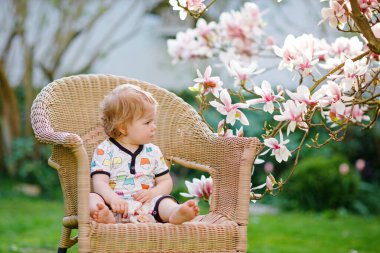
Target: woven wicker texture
{"x":66,"y":115}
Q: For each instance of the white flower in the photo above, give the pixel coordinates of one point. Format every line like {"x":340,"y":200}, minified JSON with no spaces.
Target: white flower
{"x":376,"y":30}
{"x":230,"y":133}
{"x":300,"y":53}
{"x":199,"y":188}
{"x":241,"y":73}
{"x":269,"y":183}
{"x":176,"y":7}
{"x":334,"y":14}
{"x":206,"y":83}
{"x":279,"y":150}
{"x":303,"y":95}
{"x":229,"y":109}
{"x":294,"y":113}
{"x":356,"y":113}
{"x":334,"y":97}
{"x":267,"y":97}
{"x":353,"y":70}
{"x":344,"y":48}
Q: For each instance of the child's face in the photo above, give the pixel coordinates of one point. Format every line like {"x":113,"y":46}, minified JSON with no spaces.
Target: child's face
{"x":142,"y":130}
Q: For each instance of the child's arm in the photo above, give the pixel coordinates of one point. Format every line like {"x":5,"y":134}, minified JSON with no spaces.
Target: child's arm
{"x":164,"y":185}
{"x":101,"y":187}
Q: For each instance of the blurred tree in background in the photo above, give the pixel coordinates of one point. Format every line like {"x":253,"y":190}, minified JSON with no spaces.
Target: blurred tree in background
{"x":42,"y":40}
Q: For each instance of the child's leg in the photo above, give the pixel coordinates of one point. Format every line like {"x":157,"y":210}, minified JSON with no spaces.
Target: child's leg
{"x":99,"y":211}
{"x":174,"y":213}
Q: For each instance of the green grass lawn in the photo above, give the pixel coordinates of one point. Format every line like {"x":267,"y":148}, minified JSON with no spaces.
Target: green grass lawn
{"x":309,"y":232}
{"x":33,"y":225}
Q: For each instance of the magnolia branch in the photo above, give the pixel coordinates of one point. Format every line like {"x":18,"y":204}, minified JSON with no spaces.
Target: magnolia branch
{"x":319,"y":81}
{"x":362,"y":23}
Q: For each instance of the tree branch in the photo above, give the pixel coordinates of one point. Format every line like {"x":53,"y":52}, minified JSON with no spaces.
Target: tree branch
{"x":362,"y":23}
{"x":319,"y":81}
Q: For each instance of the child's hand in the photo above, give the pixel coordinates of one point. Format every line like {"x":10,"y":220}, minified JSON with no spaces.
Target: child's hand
{"x":119,"y":205}
{"x":143,"y":195}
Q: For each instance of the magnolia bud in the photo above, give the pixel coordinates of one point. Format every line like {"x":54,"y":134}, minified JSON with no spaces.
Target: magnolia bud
{"x":269,"y":184}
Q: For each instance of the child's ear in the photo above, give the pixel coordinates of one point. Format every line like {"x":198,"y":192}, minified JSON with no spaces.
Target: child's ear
{"x":123,"y":130}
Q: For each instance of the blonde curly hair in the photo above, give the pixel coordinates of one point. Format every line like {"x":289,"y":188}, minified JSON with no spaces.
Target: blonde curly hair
{"x":122,"y":105}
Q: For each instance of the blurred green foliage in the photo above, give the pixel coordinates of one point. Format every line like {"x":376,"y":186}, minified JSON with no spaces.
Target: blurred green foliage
{"x":318,"y":185}
{"x":30,"y":162}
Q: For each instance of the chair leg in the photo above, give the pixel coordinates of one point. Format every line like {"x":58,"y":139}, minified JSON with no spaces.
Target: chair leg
{"x":66,"y":241}
{"x":62,"y":250}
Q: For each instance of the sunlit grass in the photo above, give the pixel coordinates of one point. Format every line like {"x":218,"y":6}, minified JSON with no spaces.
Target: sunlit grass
{"x":29,"y":224}
{"x":316,"y":233}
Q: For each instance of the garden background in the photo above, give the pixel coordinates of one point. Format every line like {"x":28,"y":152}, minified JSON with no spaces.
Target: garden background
{"x":322,"y":209}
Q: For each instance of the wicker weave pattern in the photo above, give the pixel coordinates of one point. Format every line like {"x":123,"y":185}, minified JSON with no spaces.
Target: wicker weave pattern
{"x":66,"y":114}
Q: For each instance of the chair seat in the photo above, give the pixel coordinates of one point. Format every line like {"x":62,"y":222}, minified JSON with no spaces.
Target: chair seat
{"x":158,"y":237}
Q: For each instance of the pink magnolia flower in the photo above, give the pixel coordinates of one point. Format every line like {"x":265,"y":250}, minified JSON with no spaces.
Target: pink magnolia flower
{"x":303,"y":95}
{"x":185,"y":46}
{"x":231,"y":110}
{"x":269,"y":41}
{"x":199,"y":188}
{"x":267,"y":97}
{"x":206,"y":32}
{"x":299,"y":53}
{"x":360,"y":164}
{"x":240,"y":132}
{"x":293,"y":111}
{"x":229,"y":132}
{"x":192,"y":5}
{"x":288,"y":53}
{"x":280,"y":89}
{"x":241,"y":31}
{"x":344,"y":48}
{"x":242,"y":73}
{"x":196,"y":5}
{"x":335,"y":117}
{"x":335,"y":14}
{"x":353,"y":70}
{"x":206,"y":83}
{"x":279,"y":150}
{"x":323,"y":48}
{"x":334,"y":97}
{"x":344,"y":169}
{"x":376,"y":30}
{"x":220,"y":130}
{"x":231,"y":26}
{"x":356,"y":113}
{"x":353,"y":113}
{"x":269,"y":184}
{"x":306,"y":64}
{"x":366,"y":7}
{"x":176,"y":7}
{"x":268,"y":167}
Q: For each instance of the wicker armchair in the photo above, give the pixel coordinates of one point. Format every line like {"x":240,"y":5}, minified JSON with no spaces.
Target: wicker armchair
{"x":66,"y":115}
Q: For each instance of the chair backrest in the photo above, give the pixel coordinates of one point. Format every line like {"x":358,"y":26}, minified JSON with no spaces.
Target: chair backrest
{"x":72,"y":105}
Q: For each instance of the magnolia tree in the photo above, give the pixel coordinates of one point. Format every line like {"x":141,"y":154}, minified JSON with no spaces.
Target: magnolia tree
{"x":346,"y":95}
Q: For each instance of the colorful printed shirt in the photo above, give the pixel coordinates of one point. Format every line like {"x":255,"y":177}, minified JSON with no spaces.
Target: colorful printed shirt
{"x":129,"y":172}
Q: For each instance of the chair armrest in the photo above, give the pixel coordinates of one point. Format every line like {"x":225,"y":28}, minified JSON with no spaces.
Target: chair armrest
{"x":229,"y":160}
{"x":44,"y":130}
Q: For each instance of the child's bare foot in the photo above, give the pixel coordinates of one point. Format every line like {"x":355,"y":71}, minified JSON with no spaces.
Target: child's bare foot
{"x":103,"y":214}
{"x":187,"y":211}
